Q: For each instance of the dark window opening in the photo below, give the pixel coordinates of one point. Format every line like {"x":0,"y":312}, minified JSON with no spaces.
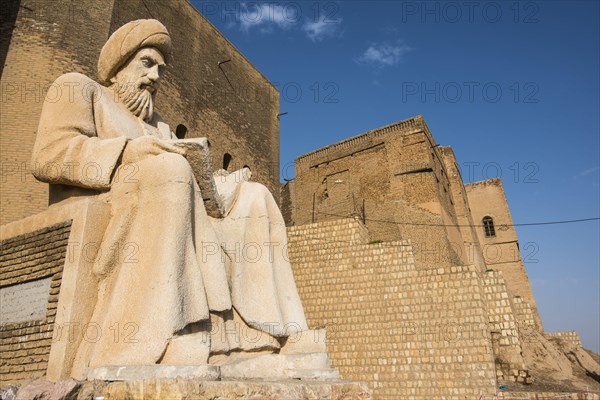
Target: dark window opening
{"x":488,"y":227}
{"x":181,"y":131}
{"x":226,"y":161}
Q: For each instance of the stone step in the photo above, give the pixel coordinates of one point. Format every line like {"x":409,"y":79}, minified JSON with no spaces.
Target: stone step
{"x":149,"y":372}
{"x":322,"y":374}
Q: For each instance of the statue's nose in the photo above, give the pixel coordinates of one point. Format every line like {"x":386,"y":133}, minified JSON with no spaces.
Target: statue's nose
{"x":154,"y":74}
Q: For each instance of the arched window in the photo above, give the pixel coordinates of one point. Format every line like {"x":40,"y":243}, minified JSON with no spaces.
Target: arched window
{"x":181,"y":131}
{"x":488,"y":227}
{"x":226,"y":161}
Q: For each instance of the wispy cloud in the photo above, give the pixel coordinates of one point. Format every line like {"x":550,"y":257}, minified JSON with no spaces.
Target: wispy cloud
{"x":322,"y":28}
{"x":586,"y":172}
{"x":271,"y":17}
{"x":266,"y":16}
{"x":384,"y":54}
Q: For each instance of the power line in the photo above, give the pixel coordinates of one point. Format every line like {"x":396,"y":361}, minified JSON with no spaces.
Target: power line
{"x":458,"y":225}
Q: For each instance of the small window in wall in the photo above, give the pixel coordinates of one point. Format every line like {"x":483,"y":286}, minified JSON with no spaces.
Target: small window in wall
{"x":488,"y":227}
{"x":226,"y":161}
{"x":181,"y":131}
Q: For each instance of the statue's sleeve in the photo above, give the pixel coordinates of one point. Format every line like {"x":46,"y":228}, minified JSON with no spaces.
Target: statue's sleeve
{"x":67,"y":150}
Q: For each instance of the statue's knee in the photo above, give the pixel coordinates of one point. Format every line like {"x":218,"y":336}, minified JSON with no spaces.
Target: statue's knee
{"x":165,"y":167}
{"x":257,"y":189}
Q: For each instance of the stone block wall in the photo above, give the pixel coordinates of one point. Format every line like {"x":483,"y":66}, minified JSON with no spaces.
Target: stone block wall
{"x":501,"y":251}
{"x":571,"y":337}
{"x":25,"y":345}
{"x":472,"y":249}
{"x":524,"y":316}
{"x":392,"y":178}
{"x":504,"y":327}
{"x":408,"y":332}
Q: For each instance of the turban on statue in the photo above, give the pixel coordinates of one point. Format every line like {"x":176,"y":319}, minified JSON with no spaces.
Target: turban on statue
{"x":126,"y":40}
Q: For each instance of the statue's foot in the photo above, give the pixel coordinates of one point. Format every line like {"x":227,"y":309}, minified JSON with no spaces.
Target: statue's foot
{"x":188,"y":349}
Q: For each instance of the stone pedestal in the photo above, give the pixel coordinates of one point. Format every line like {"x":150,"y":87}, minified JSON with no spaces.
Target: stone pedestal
{"x":180,"y":389}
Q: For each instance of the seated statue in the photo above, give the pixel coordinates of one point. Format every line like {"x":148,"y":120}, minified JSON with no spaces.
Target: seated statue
{"x":175,"y":275}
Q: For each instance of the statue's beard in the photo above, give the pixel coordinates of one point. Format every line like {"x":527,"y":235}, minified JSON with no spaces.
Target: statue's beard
{"x":138,"y":98}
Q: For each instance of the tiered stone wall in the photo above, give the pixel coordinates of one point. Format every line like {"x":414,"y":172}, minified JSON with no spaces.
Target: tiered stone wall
{"x":524,"y":317}
{"x":510,"y":364}
{"x":408,"y":332}
{"x":571,"y":337}
{"x":25,"y":345}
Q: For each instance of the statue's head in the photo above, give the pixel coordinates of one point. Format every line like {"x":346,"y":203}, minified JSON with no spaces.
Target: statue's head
{"x":132,"y":63}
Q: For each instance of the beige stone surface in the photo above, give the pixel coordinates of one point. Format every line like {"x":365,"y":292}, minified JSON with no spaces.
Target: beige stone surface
{"x":45,"y":390}
{"x":501,"y":251}
{"x":163,"y":264}
{"x":410,"y":333}
{"x":275,"y":367}
{"x":151,"y":372}
{"x":311,"y":341}
{"x":24,"y":302}
{"x":224,"y":390}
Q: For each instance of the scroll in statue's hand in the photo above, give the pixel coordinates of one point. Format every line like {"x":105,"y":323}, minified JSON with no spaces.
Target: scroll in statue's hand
{"x":196,"y":152}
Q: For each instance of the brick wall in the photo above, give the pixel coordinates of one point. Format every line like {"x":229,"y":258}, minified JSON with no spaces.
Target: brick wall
{"x":49,"y":39}
{"x":394,"y":179}
{"x":504,"y":326}
{"x":501,"y":252}
{"x":472,"y":248}
{"x":408,"y":332}
{"x":571,"y":337}
{"x":25,"y":346}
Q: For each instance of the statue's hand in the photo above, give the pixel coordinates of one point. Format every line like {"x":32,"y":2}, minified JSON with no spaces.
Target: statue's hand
{"x":145,"y":146}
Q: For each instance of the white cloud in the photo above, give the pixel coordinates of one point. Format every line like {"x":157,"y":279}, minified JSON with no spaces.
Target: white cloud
{"x":322,"y":28}
{"x":266,"y":16}
{"x":586,"y":172}
{"x":384,"y":54}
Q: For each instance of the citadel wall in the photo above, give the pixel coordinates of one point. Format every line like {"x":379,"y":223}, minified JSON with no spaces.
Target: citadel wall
{"x":404,"y":187}
{"x":409,"y":332}
{"x":501,"y":250}
{"x":466,"y":225}
{"x":232,"y":104}
{"x":394,"y":179}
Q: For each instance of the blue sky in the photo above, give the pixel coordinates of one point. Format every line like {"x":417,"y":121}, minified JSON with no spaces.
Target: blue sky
{"x":512,"y":86}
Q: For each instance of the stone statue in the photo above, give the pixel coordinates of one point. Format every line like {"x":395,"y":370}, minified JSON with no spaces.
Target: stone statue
{"x":190,"y":265}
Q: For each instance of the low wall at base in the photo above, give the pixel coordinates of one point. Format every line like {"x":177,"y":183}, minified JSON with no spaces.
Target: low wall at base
{"x":31,"y":267}
{"x":47,"y":288}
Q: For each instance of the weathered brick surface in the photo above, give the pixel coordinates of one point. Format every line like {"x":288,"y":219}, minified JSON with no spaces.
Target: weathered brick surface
{"x":501,"y":252}
{"x":571,"y":337}
{"x":233,"y":105}
{"x":470,"y":242}
{"x":25,"y":346}
{"x":394,"y":178}
{"x":409,"y":332}
{"x":505,"y":328}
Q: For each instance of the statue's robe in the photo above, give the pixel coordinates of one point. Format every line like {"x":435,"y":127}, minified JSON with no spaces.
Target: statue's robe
{"x":161,"y":264}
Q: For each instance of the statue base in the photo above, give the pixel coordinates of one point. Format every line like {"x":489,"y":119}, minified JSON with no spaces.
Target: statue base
{"x":150,"y":372}
{"x":266,"y":367}
{"x":180,"y":389}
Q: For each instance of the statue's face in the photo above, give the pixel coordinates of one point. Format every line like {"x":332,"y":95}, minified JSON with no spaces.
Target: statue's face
{"x":137,"y":81}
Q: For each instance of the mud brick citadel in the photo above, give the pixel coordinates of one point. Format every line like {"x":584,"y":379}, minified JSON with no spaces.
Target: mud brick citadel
{"x":416,"y":276}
